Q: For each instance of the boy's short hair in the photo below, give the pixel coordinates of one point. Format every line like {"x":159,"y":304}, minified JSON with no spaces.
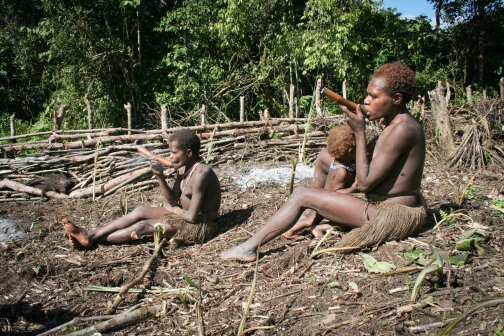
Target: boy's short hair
{"x":339,"y":141}
{"x":399,"y":78}
{"x":186,"y":139}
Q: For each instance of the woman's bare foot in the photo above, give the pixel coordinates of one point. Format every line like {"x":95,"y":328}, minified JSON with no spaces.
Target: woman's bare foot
{"x":76,"y":234}
{"x":238,"y":253}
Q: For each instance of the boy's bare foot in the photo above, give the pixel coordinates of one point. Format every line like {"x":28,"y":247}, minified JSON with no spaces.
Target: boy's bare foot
{"x":290,"y":235}
{"x":319,"y":230}
{"x":238,"y":253}
{"x":76,"y":234}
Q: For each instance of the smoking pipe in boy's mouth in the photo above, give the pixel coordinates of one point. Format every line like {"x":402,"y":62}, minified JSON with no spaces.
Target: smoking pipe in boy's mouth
{"x":350,"y":105}
{"x":148,"y":154}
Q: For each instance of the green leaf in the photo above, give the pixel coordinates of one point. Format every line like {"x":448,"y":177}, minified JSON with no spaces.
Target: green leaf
{"x":421,"y":277}
{"x":458,"y":260}
{"x":465,"y":245}
{"x":333,"y":284}
{"x":374,"y":266}
{"x":190,"y":283}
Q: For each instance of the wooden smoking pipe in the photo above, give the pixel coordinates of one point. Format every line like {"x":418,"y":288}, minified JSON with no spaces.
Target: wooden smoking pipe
{"x":148,"y":154}
{"x":350,"y":105}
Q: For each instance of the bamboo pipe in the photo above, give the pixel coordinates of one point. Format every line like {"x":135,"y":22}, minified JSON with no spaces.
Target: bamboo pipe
{"x":350,"y":105}
{"x":148,"y":154}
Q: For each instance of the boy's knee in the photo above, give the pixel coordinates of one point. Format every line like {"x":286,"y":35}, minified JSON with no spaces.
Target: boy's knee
{"x":141,"y":211}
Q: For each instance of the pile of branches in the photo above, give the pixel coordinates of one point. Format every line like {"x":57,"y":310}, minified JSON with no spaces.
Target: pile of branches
{"x":99,"y":163}
{"x":480,"y":125}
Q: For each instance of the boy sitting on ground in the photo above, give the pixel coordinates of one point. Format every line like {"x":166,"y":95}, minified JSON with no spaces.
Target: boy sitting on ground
{"x":191,"y":205}
{"x":334,"y":171}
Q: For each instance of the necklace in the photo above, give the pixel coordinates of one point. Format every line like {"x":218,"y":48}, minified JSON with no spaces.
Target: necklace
{"x":187,"y":175}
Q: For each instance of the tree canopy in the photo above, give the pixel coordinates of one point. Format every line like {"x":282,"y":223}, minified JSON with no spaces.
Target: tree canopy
{"x":185,"y":53}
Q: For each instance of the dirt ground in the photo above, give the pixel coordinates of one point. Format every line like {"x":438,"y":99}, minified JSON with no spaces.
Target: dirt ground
{"x":43,"y":282}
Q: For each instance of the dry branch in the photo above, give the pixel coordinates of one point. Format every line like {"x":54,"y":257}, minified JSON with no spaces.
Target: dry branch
{"x":29,"y":190}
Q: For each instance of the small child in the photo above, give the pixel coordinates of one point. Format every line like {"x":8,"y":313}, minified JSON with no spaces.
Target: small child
{"x":334,"y":171}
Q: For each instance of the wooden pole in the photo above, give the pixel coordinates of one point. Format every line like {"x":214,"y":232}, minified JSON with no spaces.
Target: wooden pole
{"x":448,"y":93}
{"x":484,"y":95}
{"x":291,"y":101}
{"x":203,"y":115}
{"x":469,"y":94}
{"x":266,"y":114}
{"x":89,"y":114}
{"x":127,"y":106}
{"x":13,"y":126}
{"x":344,"y":89}
{"x":58,"y":120}
{"x":242,"y":109}
{"x":440,"y":112}
{"x":318,"y":109}
{"x":164,"y":119}
{"x":502,"y":88}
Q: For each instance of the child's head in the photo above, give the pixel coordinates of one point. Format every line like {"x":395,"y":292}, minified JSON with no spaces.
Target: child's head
{"x":186,"y":139}
{"x":399,"y":78}
{"x":341,"y":143}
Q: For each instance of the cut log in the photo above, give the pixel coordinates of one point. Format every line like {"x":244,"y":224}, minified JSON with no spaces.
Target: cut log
{"x":102,"y":188}
{"x":29,"y":190}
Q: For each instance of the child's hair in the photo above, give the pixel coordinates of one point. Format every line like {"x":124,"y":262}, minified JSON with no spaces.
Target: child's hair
{"x":399,"y":79}
{"x":186,"y":139}
{"x":339,"y":141}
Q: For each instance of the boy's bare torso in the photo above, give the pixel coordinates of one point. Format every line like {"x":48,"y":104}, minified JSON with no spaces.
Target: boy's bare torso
{"x":210,"y":186}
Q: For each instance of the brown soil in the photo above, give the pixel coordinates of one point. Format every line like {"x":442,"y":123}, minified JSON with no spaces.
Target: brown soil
{"x":43,"y":281}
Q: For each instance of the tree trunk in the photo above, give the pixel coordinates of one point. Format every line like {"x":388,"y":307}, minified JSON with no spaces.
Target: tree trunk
{"x":317,"y":97}
{"x":481,"y":44}
{"x":89,"y":112}
{"x":440,"y":113}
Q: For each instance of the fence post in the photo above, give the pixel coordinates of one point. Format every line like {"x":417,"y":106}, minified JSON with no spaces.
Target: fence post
{"x":242,"y":109}
{"x":203,"y":115}
{"x":318,"y":109}
{"x":13,"y":127}
{"x":58,"y":120}
{"x":266,"y":114}
{"x":344,"y":89}
{"x":89,"y":114}
{"x":291,"y":101}
{"x":469,"y":94}
{"x":164,"y":119}
{"x":502,"y":88}
{"x":127,"y":106}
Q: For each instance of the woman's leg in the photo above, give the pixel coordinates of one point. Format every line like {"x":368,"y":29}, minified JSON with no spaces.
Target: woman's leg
{"x":338,"y":208}
{"x":87,"y":238}
{"x":319,"y":180}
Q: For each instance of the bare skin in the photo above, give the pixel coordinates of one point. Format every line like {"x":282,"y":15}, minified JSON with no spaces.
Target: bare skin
{"x":339,"y":180}
{"x":200,"y":194}
{"x":394,"y":170}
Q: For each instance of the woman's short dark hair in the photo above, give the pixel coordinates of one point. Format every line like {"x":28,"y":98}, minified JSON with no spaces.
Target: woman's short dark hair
{"x":399,"y":78}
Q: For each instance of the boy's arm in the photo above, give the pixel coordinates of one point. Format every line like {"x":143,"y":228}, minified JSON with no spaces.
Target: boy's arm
{"x":170,"y":195}
{"x":199,"y":185}
{"x":346,"y":191}
{"x":370,"y":173}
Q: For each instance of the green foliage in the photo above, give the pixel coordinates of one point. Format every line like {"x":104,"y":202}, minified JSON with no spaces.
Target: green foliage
{"x":187,"y":53}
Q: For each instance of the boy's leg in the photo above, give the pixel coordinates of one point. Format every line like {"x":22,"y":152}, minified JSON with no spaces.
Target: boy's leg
{"x":87,"y":238}
{"x":137,"y":231}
